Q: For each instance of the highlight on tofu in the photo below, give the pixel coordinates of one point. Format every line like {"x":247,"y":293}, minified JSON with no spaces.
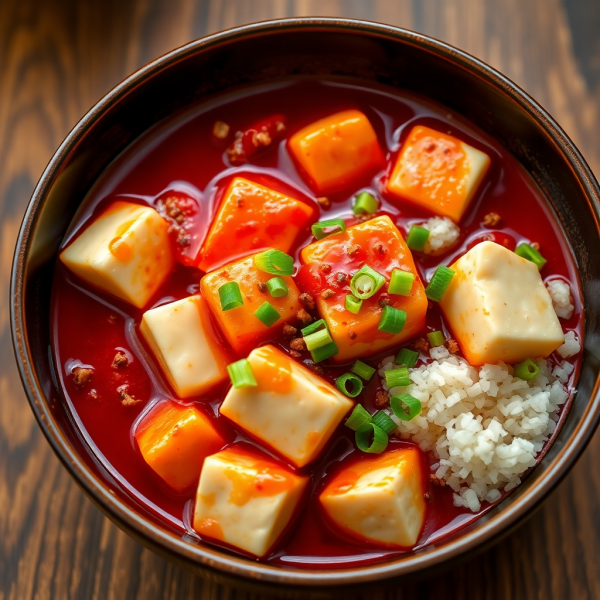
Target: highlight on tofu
{"x":349,"y":341}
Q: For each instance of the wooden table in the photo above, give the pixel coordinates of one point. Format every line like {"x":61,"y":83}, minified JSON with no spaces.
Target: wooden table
{"x":57,"y":58}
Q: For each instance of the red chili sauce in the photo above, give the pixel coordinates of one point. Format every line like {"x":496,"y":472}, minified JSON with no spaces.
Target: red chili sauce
{"x":183,"y":154}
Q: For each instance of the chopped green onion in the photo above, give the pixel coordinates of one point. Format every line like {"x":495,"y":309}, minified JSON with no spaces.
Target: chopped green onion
{"x":356,"y":385}
{"x":383,"y":421}
{"x":241,"y":374}
{"x":358,"y":418}
{"x":363,"y":370}
{"x":318,"y":339}
{"x":530,"y":253}
{"x":417,"y":238}
{"x":436,"y":338}
{"x":401,"y":282}
{"x":407,"y":357}
{"x":352,"y":304}
{"x":363,"y":437}
{"x":365,"y":204}
{"x":439,"y":283}
{"x":267,"y":314}
{"x":324,"y":228}
{"x":277,"y":287}
{"x":316,"y":326}
{"x":230,"y":296}
{"x":526,"y":370}
{"x":274,"y":262}
{"x":366,"y":282}
{"x":405,"y":407}
{"x":392,"y":320}
{"x":320,"y":354}
{"x":398,"y":377}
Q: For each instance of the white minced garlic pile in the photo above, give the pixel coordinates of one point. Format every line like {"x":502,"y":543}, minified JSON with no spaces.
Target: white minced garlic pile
{"x":443,"y":234}
{"x":485,"y":425}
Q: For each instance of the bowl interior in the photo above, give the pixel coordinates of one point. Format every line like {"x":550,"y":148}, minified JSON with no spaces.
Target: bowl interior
{"x":260,"y":53}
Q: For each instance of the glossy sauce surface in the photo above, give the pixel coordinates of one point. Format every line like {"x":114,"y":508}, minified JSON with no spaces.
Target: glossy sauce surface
{"x":182,"y":154}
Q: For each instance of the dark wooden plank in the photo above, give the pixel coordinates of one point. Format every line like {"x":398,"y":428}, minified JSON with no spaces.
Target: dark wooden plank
{"x":56,"y":59}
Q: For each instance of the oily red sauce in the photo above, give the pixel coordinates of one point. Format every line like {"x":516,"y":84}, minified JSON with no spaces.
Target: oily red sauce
{"x":183,"y":155}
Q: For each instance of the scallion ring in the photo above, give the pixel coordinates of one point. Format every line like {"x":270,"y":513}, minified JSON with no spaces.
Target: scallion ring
{"x":241,"y":374}
{"x":230,"y":296}
{"x":324,"y":352}
{"x":401,"y":282}
{"x":407,"y":358}
{"x":316,"y":326}
{"x":383,"y":421}
{"x":392,"y":320}
{"x":405,"y":407}
{"x":277,"y":287}
{"x":436,"y":338}
{"x":274,"y":262}
{"x":417,"y":238}
{"x":528,"y":252}
{"x":352,"y":304}
{"x":359,"y":417}
{"x":397,"y":377}
{"x":349,"y":384}
{"x":363,"y":439}
{"x":318,"y":339}
{"x":439,"y":283}
{"x":324,"y":228}
{"x":365,"y":204}
{"x":363,"y":370}
{"x":267,"y":314}
{"x":527,"y":370}
{"x":366,"y":282}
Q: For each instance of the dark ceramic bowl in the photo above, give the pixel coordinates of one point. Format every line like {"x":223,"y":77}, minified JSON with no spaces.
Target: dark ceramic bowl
{"x":258,"y":53}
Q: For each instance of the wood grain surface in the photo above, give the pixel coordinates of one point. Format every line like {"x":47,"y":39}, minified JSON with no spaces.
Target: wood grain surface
{"x":57,"y":58}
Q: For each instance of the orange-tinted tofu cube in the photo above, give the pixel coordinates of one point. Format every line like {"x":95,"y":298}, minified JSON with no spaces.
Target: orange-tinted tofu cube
{"x":337,"y":151}
{"x":251,"y":217}
{"x":378,"y":244}
{"x":242,"y":328}
{"x":174,"y":440}
{"x":438,"y":172}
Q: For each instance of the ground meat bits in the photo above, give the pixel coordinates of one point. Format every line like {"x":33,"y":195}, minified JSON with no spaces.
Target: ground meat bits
{"x":304,"y":317}
{"x":299,"y":345}
{"x":353,"y":250}
{"x":126,"y":399}
{"x":262,"y":287}
{"x":421,"y":345}
{"x":318,"y":369}
{"x":453,"y":346}
{"x":382,"y":399}
{"x":437,"y":481}
{"x":492,"y":220}
{"x":220,"y":130}
{"x":352,"y":334}
{"x":324,"y":203}
{"x":307,"y":301}
{"x":295,"y":354}
{"x":326,"y":294}
{"x":81,"y":376}
{"x":288,"y":330}
{"x":120,"y":360}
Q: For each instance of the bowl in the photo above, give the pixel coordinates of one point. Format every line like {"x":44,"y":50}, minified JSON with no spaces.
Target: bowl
{"x":262,"y":52}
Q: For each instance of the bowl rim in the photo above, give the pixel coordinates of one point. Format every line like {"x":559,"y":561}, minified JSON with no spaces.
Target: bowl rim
{"x":205,"y":556}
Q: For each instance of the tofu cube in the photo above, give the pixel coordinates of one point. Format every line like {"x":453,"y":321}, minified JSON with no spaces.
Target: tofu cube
{"x":292,"y":410}
{"x":126,"y":252}
{"x":499,"y":308}
{"x":378,"y":244}
{"x":174,"y":440}
{"x":337,"y":151}
{"x":246,"y":500}
{"x":251,"y":217}
{"x":379,"y":499}
{"x":184,"y":342}
{"x":241,"y":327}
{"x":438,"y":172}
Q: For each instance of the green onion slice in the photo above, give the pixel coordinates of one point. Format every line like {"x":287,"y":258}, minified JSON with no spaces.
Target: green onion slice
{"x":352,"y":304}
{"x":405,"y":407}
{"x":526,"y":370}
{"x":366,"y":282}
{"x":365,"y":204}
{"x":392,"y":320}
{"x":398,"y":377}
{"x":383,"y":421}
{"x":436,"y":338}
{"x":358,"y":418}
{"x":439,"y":283}
{"x":230,"y":296}
{"x":277,"y":287}
{"x":530,"y":253}
{"x":363,"y":370}
{"x":324,"y":352}
{"x":324,"y":228}
{"x":401,"y":282}
{"x":318,"y":339}
{"x":407,"y":358}
{"x":274,"y":262}
{"x":417,"y":238}
{"x":241,"y":374}
{"x":349,"y":384}
{"x":316,"y":326}
{"x":267,"y":314}
{"x":363,"y":439}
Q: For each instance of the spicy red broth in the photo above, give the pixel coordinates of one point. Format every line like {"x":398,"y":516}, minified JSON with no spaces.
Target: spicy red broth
{"x":182,"y":153}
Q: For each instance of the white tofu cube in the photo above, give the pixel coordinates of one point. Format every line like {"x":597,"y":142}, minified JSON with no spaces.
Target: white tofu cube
{"x":292,"y":410}
{"x":499,"y":308}
{"x":126,"y":252}
{"x":181,"y":337}
{"x":246,"y":500}
{"x":379,"y":499}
